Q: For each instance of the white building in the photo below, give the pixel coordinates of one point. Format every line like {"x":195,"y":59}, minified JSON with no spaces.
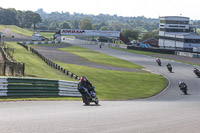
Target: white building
{"x":177,"y":32}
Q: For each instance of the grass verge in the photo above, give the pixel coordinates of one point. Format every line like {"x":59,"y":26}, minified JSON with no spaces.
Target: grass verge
{"x":110,"y":84}
{"x":135,"y":51}
{"x":17,"y":30}
{"x":118,"y":85}
{"x":21,"y":31}
{"x":34,"y":66}
{"x":99,"y":57}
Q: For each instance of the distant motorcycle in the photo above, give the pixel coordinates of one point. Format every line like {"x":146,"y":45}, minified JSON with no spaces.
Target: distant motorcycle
{"x":196,"y":71}
{"x":158,"y":61}
{"x":169,"y":67}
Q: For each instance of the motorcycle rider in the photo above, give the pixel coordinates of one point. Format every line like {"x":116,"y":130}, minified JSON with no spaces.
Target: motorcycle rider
{"x":168,"y":65}
{"x":85,"y":85}
{"x":158,"y":60}
{"x":181,"y":84}
{"x":196,"y":70}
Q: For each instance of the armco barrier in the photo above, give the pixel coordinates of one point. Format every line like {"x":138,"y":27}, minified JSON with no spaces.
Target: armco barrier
{"x":37,"y":87}
{"x":53,"y":64}
{"x":50,"y":62}
{"x":39,"y":42}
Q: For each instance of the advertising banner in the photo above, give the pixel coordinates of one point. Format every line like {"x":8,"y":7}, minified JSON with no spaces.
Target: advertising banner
{"x":79,"y":32}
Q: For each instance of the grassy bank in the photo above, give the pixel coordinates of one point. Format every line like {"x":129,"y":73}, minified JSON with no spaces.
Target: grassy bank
{"x":18,"y":30}
{"x":21,"y":31}
{"x":136,"y":51}
{"x":34,"y":66}
{"x":110,"y":84}
{"x":99,"y":57}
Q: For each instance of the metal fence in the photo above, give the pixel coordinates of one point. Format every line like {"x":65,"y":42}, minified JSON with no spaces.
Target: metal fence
{"x":19,"y":87}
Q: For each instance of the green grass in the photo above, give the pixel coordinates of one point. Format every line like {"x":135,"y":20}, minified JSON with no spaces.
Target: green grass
{"x":99,"y":57}
{"x":135,"y":51}
{"x":34,"y":66}
{"x":2,"y":27}
{"x":20,"y":31}
{"x":47,"y":34}
{"x":109,"y":84}
{"x":24,"y":32}
{"x":118,"y":85}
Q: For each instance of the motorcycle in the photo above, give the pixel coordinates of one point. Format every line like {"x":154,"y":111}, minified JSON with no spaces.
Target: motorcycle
{"x":184,"y":89}
{"x":88,"y":99}
{"x":159,"y":62}
{"x":197,"y":73}
{"x":169,"y":67}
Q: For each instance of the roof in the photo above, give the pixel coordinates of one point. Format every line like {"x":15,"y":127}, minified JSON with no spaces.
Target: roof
{"x":173,"y":17}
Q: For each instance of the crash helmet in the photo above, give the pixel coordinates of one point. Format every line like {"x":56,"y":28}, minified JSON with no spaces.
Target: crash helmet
{"x":83,"y":78}
{"x":180,"y":82}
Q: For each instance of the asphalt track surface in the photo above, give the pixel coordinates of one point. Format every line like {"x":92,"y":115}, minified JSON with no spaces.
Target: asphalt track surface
{"x":168,"y":112}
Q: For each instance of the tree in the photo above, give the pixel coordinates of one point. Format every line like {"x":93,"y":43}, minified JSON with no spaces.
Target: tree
{"x":27,"y":21}
{"x":8,"y":17}
{"x":149,"y":35}
{"x":36,"y":19}
{"x":53,"y":26}
{"x":130,"y":34}
{"x":85,"y":24}
{"x":106,"y":28}
{"x":65,"y":25}
{"x":101,"y":24}
{"x":75,"y":24}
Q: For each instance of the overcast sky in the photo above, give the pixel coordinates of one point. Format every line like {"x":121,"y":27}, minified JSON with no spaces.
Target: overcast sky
{"x":147,"y":8}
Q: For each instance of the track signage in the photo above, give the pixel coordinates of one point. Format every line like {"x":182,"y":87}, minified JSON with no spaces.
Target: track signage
{"x":90,"y":32}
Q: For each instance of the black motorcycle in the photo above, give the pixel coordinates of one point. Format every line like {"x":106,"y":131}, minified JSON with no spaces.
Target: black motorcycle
{"x":159,"y":62}
{"x":197,"y":73}
{"x":88,"y":99}
{"x":169,"y":67}
{"x":184,"y":89}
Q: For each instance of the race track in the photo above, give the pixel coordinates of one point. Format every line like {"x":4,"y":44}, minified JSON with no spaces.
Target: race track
{"x":169,"y":111}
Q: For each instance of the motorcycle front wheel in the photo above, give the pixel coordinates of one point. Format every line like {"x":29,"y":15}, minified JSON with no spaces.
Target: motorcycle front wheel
{"x":96,"y":101}
{"x":85,"y":100}
{"x":185,"y":92}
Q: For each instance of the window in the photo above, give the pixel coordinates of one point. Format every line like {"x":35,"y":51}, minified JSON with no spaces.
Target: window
{"x":174,"y":30}
{"x":176,"y":22}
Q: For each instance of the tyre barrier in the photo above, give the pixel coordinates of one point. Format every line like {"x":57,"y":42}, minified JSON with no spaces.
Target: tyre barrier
{"x":18,"y":87}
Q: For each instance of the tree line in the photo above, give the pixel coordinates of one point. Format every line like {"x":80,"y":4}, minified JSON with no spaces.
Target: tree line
{"x":55,"y":20}
{"x":130,"y":27}
{"x":23,"y":19}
